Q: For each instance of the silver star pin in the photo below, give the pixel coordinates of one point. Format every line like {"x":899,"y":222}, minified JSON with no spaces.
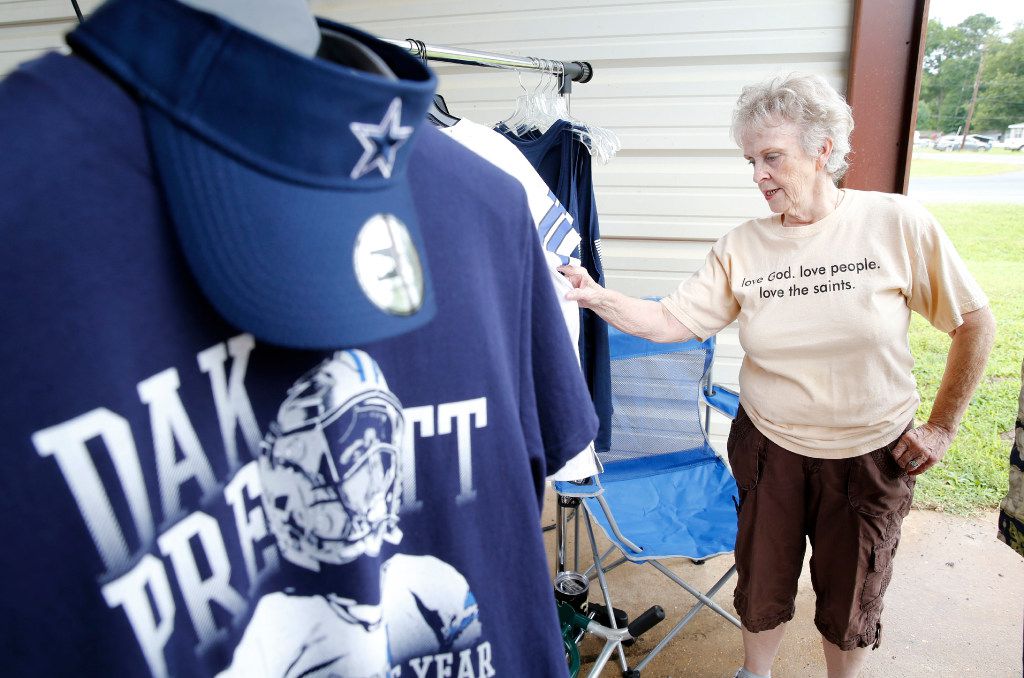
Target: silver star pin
{"x":380,"y":142}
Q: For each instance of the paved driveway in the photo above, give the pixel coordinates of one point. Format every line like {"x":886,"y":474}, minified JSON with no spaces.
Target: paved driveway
{"x":970,"y":156}
{"x":1005,"y":188}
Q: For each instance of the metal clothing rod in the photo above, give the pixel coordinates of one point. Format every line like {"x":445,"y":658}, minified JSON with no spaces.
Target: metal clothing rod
{"x":578,"y":71}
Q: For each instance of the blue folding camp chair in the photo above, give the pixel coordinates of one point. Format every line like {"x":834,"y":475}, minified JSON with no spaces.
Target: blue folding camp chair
{"x":664,"y":492}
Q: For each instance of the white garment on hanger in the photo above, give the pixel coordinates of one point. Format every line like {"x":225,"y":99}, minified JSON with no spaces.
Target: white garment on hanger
{"x":502,"y":153}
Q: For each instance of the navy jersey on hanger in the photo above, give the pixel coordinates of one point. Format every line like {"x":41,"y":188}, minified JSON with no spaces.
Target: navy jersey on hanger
{"x":180,"y":498}
{"x":565,"y":164}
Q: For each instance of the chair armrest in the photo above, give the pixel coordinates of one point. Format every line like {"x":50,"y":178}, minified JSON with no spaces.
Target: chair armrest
{"x":590,"y":487}
{"x":722,"y":399}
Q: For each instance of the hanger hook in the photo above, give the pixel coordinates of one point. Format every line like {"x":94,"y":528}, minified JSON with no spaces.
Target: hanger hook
{"x":519,"y":74}
{"x":422,"y":48}
{"x":539,"y":65}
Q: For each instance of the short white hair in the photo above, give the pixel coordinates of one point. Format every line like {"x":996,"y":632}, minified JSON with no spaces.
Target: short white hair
{"x":809,"y":102}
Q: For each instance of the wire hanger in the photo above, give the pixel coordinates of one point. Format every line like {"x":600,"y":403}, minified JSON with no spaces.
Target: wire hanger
{"x":438,"y":113}
{"x":526,"y":115}
{"x":547,"y":104}
{"x":601,"y":142}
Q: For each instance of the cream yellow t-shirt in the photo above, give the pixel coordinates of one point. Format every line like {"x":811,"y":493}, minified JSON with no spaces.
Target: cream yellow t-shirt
{"x":823,"y":314}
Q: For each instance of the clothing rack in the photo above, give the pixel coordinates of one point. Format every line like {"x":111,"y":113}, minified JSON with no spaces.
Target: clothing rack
{"x":570,"y":71}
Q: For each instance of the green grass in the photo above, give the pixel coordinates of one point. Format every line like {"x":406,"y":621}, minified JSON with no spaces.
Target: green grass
{"x":973,"y":475}
{"x":936,"y":166}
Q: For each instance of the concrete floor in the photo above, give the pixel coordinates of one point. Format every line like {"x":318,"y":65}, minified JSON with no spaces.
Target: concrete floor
{"x":954,"y":608}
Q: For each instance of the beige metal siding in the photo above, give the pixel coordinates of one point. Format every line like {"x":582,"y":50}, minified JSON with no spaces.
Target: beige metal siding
{"x":30,"y":27}
{"x":667,"y":74}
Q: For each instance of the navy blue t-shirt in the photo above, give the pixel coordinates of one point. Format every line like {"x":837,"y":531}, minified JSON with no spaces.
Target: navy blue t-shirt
{"x":565,"y":165}
{"x":147,"y":440}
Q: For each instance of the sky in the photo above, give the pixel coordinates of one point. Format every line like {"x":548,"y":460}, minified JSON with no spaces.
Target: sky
{"x":952,"y":12}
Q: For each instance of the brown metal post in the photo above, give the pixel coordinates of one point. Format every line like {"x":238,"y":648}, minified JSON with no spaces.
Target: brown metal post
{"x":883,"y":84}
{"x":974,"y":100}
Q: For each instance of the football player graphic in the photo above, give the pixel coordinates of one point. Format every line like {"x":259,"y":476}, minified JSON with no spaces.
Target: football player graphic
{"x":331,"y":493}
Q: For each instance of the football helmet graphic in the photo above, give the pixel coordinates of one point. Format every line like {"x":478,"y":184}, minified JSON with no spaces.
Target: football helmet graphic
{"x":329,"y":464}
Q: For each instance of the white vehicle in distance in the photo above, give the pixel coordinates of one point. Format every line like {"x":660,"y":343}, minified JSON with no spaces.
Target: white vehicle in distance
{"x":922,"y":142}
{"x":952,"y":142}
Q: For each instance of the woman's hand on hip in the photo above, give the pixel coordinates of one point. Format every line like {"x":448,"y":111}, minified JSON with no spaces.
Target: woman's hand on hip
{"x":921,"y":448}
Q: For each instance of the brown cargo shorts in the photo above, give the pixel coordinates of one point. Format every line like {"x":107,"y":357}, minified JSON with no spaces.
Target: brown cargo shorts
{"x":850,"y":510}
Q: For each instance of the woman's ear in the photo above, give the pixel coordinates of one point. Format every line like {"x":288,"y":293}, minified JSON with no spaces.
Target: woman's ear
{"x":825,"y":154}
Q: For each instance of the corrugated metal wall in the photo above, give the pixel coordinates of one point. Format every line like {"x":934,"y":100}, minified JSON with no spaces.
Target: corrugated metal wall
{"x":667,"y":75}
{"x":29,"y":27}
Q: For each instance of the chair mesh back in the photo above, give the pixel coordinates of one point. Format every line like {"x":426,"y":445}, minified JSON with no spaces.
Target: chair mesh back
{"x":655,"y":406}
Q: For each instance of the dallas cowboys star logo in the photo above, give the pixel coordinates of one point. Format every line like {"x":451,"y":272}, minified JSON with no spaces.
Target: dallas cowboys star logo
{"x":380,"y":142}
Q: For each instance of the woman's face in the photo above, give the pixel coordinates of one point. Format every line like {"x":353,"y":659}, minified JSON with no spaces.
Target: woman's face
{"x":786,"y":175}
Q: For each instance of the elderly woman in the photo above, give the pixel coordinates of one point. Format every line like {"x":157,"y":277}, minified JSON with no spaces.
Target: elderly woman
{"x":823,"y":447}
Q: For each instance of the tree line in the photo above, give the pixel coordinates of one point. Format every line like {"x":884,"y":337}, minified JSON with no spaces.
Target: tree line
{"x":952,"y":60}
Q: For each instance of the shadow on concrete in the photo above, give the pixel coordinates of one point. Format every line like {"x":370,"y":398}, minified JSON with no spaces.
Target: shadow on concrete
{"x":954,"y":608}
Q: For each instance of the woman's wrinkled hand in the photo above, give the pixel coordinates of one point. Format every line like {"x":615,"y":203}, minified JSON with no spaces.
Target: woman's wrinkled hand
{"x":585,"y":291}
{"x":921,"y":448}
